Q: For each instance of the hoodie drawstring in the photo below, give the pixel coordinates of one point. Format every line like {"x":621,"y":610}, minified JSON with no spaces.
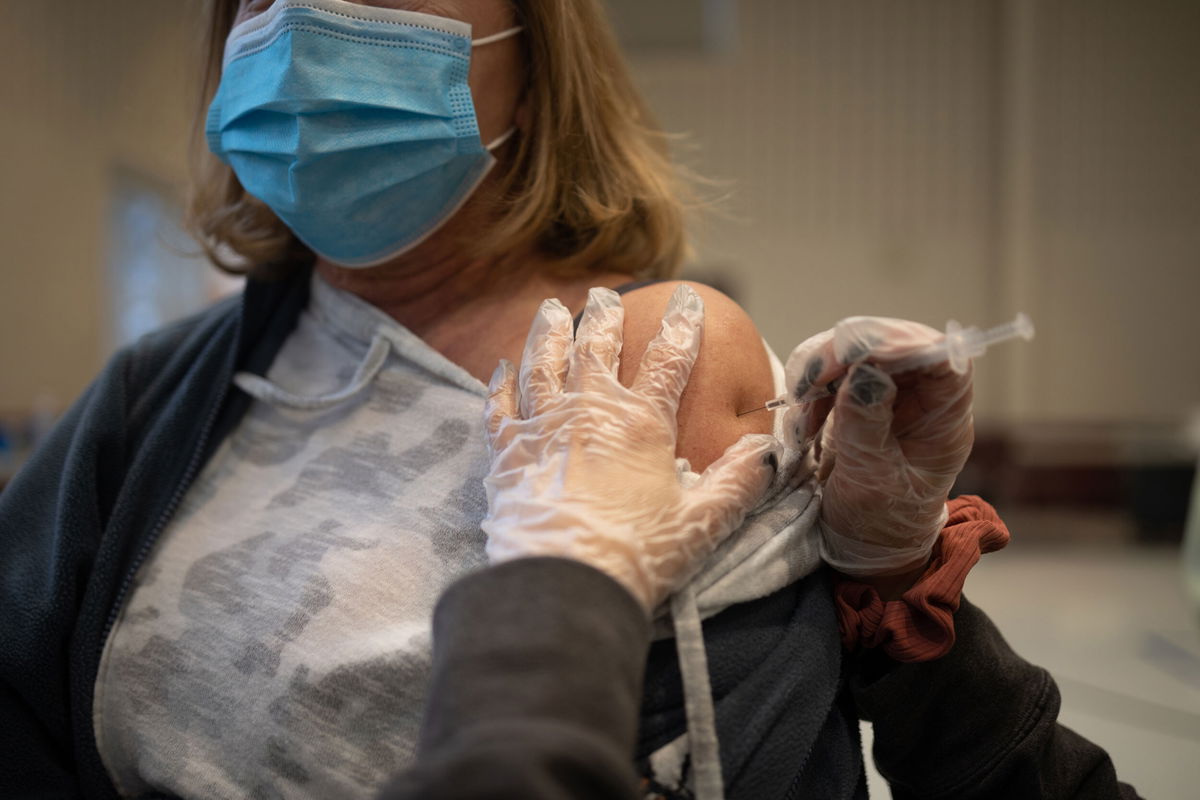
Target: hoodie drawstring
{"x":260,"y":388}
{"x":707,"y":783}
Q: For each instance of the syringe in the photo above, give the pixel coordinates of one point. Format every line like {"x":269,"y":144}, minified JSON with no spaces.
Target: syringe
{"x":958,"y":347}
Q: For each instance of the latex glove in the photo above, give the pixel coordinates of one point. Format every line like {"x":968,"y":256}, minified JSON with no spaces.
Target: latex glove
{"x":892,"y":447}
{"x":585,"y":468}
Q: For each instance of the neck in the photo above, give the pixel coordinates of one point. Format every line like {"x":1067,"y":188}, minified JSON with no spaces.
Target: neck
{"x":436,"y":281}
{"x":418,"y":289}
{"x":455,"y":303}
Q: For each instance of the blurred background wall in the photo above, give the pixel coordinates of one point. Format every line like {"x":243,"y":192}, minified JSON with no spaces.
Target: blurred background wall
{"x":918,"y":158}
{"x":964,"y":158}
{"x":929,"y":159}
{"x":91,"y":92}
{"x":967,"y":159}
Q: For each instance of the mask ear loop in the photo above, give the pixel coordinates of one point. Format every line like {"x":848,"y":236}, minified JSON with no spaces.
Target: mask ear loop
{"x":496,"y":37}
{"x":501,"y":139}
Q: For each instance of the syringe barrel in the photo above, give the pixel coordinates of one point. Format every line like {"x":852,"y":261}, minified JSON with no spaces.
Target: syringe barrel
{"x":961,"y":346}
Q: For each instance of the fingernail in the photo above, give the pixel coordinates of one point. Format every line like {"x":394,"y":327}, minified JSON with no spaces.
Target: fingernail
{"x":553,"y":307}
{"x":868,"y":385}
{"x":797,"y":422}
{"x":855,"y":353}
{"x":601,"y":297}
{"x":500,"y":373}
{"x":602,"y":313}
{"x":812,"y":370}
{"x":685,"y":300}
{"x":593,"y":309}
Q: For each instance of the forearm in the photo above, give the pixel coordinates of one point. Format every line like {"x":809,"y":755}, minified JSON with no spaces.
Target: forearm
{"x":537,"y":678}
{"x":979,"y":722}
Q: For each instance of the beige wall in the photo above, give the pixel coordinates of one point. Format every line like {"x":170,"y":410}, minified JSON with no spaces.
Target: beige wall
{"x":933,"y":159}
{"x":918,"y":158}
{"x":88,"y":87}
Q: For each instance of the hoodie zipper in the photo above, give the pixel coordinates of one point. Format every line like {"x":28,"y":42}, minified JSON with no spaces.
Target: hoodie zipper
{"x":163,"y":518}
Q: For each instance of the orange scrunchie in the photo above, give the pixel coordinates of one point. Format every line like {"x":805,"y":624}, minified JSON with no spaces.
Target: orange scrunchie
{"x":920,"y":625}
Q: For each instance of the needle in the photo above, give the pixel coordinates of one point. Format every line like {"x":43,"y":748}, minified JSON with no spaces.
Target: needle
{"x":815,"y":393}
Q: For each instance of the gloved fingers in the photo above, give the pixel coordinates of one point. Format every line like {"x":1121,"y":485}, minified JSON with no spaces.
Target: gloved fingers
{"x":821,"y":360}
{"x":880,"y":487}
{"x":595,"y":355}
{"x":931,"y":400}
{"x":802,"y":423}
{"x":667,"y":363}
{"x":501,"y":406}
{"x":544,"y":362}
{"x":795,"y":427}
{"x":862,"y":419}
{"x":734,"y":483}
{"x":937,"y":430}
{"x":812,"y":363}
{"x":825,"y":449}
{"x":881,"y":339}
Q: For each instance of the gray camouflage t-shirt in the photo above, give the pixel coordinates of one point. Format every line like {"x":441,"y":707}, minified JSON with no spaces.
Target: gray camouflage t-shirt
{"x":276,"y":641}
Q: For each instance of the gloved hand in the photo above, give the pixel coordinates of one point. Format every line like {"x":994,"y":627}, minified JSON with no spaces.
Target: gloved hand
{"x":584,"y":468}
{"x":892,"y":447}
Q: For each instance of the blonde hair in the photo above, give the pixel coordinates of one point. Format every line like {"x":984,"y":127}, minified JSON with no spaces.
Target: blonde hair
{"x":590,"y":184}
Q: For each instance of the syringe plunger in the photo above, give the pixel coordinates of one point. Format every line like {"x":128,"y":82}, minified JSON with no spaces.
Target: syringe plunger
{"x":962,"y":344}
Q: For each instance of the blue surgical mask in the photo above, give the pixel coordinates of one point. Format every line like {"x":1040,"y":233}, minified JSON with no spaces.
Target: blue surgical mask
{"x":354,"y":124}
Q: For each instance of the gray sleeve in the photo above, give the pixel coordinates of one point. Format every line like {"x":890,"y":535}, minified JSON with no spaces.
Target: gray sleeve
{"x":537,"y":680}
{"x":980,"y":722}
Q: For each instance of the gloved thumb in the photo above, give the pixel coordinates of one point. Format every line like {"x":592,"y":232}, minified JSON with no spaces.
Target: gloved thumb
{"x":733,"y":484}
{"x":862,"y":418}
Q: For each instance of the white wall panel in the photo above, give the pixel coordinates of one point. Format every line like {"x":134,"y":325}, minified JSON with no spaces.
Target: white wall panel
{"x":858,"y":140}
{"x":1117,"y":204}
{"x":965,"y":158}
{"x":919,"y":158}
{"x":87,"y":88}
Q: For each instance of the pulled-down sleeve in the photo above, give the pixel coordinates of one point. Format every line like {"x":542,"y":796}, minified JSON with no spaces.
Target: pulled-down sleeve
{"x":532,"y":697}
{"x":979,"y":722}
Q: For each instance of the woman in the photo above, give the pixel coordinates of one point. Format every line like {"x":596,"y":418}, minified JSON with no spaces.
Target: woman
{"x":218,"y":589}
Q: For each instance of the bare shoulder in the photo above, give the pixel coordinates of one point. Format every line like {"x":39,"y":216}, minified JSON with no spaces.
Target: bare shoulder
{"x":732,"y":373}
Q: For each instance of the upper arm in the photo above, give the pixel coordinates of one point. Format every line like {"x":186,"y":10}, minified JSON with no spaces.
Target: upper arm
{"x":731,"y":374}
